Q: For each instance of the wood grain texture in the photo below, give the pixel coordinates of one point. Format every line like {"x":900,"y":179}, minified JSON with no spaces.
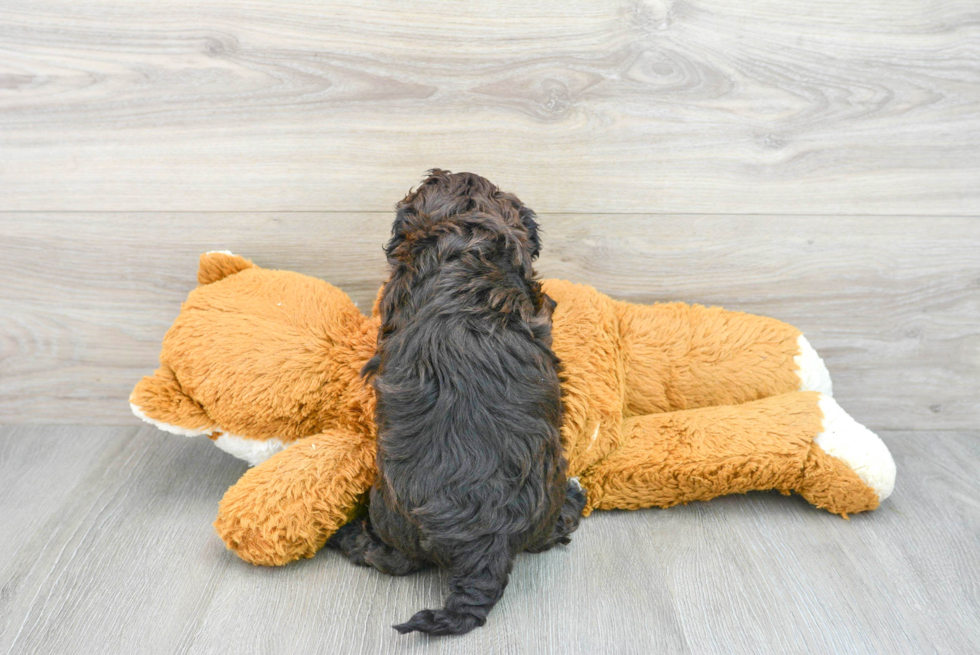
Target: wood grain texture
{"x":116,"y":554}
{"x":893,"y":307}
{"x":712,"y":106}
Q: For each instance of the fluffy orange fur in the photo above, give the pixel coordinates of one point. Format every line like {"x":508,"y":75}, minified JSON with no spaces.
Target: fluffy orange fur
{"x":664,"y":404}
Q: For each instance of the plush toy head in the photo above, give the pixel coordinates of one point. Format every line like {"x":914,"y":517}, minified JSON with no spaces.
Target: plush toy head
{"x":258,"y":358}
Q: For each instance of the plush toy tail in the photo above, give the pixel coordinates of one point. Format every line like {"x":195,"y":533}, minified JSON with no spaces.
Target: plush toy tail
{"x":219,"y":264}
{"x":158,"y":399}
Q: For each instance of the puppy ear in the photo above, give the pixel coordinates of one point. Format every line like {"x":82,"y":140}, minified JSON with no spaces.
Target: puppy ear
{"x":404,"y":211}
{"x":435,"y":176}
{"x":530,"y":222}
{"x":407,"y":211}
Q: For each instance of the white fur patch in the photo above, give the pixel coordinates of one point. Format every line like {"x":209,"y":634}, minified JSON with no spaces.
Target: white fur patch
{"x":862,"y":450}
{"x":167,"y":427}
{"x":811,"y":370}
{"x":253,"y":451}
{"x":220,"y":252}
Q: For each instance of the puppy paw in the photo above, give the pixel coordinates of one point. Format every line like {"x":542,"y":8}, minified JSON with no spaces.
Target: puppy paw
{"x":575,"y":495}
{"x":571,"y":512}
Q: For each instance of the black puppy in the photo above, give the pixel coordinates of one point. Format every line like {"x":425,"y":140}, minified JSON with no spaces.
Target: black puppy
{"x":470,"y":461}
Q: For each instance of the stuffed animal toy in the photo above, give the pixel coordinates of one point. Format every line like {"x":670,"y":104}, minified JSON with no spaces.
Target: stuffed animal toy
{"x":663,"y":404}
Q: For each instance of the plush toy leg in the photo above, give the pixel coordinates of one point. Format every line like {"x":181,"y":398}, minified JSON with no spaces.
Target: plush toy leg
{"x":799,"y":441}
{"x":287,"y":507}
{"x":680,"y":356}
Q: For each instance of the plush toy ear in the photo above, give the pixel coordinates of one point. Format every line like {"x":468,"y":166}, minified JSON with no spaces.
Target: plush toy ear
{"x":219,"y":264}
{"x":287,"y":507}
{"x":159,"y":399}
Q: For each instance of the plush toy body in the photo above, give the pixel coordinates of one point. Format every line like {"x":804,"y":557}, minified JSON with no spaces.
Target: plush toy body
{"x":664,"y":404}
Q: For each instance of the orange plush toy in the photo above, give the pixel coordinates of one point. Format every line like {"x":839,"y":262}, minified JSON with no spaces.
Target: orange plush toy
{"x":664,"y":404}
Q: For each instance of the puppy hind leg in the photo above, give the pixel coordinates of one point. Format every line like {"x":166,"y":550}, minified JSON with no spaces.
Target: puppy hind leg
{"x":479,"y":576}
{"x":362,"y":546}
{"x":568,"y":519}
{"x":346,"y":540}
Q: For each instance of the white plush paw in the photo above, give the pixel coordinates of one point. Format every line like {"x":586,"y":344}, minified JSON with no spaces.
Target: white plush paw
{"x":860,"y":448}
{"x":811,"y":370}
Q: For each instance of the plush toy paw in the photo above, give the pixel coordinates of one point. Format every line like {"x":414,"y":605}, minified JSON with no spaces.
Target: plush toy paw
{"x":848,"y":468}
{"x":864,"y":451}
{"x":286,"y":508}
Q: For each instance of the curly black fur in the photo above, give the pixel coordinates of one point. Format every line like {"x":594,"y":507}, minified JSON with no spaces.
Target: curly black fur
{"x":470,"y":462}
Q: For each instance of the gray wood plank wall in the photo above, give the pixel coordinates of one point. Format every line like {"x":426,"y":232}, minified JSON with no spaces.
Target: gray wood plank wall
{"x":891,"y":303}
{"x":716,"y":106}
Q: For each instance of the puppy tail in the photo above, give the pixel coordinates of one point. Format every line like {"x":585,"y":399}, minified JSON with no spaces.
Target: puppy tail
{"x":478,"y":580}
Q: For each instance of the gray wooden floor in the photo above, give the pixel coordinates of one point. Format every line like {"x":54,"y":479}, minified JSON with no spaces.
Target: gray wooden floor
{"x":818,"y":162}
{"x":108,"y":548}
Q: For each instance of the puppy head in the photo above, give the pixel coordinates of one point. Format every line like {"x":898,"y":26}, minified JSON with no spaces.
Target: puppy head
{"x":446,"y":201}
